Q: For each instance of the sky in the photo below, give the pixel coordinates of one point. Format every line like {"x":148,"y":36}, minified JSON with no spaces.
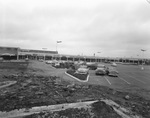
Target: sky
{"x":107,"y":28}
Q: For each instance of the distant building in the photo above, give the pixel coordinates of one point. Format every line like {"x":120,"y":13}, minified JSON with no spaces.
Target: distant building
{"x":16,"y":53}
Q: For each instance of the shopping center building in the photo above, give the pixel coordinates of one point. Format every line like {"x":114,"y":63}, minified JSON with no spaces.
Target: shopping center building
{"x":16,"y":53}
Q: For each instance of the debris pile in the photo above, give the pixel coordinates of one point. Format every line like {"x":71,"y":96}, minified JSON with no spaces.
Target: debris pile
{"x":33,"y":90}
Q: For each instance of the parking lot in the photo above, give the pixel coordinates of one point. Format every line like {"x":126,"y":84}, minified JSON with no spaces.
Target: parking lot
{"x":129,"y":76}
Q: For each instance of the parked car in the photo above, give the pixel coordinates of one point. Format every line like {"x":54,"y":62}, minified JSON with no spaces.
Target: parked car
{"x":101,"y":70}
{"x":112,"y":71}
{"x":83,"y":69}
{"x":91,"y":65}
{"x":41,"y":60}
{"x":49,"y":62}
{"x":113,"y":64}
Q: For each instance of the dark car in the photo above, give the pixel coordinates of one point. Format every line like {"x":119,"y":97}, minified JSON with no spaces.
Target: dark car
{"x":101,"y":70}
{"x":91,"y":65}
{"x":112,"y":71}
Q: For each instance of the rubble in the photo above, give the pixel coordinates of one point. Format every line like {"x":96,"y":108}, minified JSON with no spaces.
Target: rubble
{"x":32,"y":90}
{"x":127,"y":97}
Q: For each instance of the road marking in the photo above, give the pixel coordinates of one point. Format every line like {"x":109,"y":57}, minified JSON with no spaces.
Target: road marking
{"x":124,"y":80}
{"x":136,"y":79}
{"x":107,"y":80}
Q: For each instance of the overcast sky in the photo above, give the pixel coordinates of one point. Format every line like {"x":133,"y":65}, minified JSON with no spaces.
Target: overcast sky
{"x":116,"y":28}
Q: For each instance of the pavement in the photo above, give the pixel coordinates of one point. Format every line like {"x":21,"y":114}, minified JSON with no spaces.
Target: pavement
{"x":132,"y":78}
{"x":129,"y":75}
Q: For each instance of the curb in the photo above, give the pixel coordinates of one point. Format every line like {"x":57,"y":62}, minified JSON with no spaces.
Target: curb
{"x":87,"y":79}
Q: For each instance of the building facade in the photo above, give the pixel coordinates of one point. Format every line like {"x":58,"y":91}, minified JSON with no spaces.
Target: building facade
{"x":16,"y":53}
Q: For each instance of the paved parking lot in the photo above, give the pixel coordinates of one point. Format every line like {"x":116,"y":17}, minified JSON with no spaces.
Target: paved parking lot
{"x":131,"y":78}
{"x":129,"y":75}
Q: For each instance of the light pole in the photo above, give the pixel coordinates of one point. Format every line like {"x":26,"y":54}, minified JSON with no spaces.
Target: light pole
{"x":99,"y":53}
{"x":143,"y":54}
{"x":57,"y":43}
{"x":138,"y":59}
{"x":143,"y":58}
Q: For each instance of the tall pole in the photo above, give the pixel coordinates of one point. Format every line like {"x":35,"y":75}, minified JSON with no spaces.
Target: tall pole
{"x":143,"y":58}
{"x":138,"y":59}
{"x":57,"y":44}
{"x":99,"y":53}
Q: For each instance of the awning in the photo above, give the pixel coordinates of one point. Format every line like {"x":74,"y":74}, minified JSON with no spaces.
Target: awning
{"x":7,"y":54}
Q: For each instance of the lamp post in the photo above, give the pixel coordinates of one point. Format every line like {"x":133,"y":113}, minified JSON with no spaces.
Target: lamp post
{"x":99,"y":53}
{"x":138,"y":59}
{"x":57,"y":44}
{"x":143,"y":58}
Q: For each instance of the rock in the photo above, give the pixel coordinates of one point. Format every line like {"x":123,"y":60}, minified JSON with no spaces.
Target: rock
{"x":21,"y":97}
{"x":26,"y":76}
{"x":72,"y":90}
{"x":127,"y":97}
{"x":14,"y":75}
{"x":29,"y":81}
{"x":24,"y":84}
{"x":78,"y":87}
{"x":70,"y":86}
{"x":114,"y":92}
{"x":39,"y":93}
{"x":85,"y":87}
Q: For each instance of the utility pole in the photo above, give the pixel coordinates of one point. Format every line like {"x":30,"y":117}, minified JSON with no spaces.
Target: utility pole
{"x":143,"y":58}
{"x":57,"y":44}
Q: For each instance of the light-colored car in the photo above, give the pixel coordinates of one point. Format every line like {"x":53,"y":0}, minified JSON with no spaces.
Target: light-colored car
{"x":101,"y":70}
{"x":49,"y":62}
{"x":113,"y":64}
{"x":83,"y":69}
{"x":91,"y":65}
{"x":112,"y":71}
{"x":41,"y":60}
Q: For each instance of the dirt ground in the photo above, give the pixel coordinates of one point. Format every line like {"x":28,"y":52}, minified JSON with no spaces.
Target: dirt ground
{"x":38,"y":84}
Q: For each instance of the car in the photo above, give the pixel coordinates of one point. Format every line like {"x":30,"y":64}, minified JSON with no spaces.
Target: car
{"x":91,"y":65}
{"x":41,"y":60}
{"x":101,"y":70}
{"x":49,"y":62}
{"x":112,"y":71}
{"x":82,"y":69}
{"x":113,"y":64}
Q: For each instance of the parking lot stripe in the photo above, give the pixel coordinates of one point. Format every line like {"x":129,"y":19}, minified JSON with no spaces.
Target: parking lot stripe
{"x":124,"y":80}
{"x":136,"y":79}
{"x":107,"y":80}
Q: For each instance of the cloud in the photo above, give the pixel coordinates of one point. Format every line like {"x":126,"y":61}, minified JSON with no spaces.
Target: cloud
{"x":115,"y":28}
